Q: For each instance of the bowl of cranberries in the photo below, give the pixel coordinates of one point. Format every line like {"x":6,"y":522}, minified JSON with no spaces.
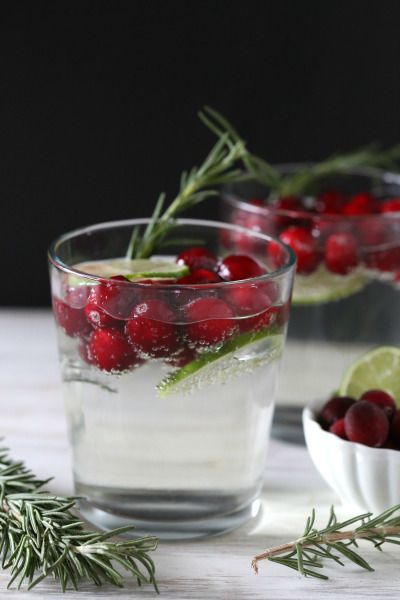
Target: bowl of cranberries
{"x":355,"y":445}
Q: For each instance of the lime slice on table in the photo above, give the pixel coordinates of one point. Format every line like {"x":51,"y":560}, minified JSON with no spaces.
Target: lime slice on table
{"x":133,"y":269}
{"x":235,"y":357}
{"x":323,"y":286}
{"x":378,"y":369}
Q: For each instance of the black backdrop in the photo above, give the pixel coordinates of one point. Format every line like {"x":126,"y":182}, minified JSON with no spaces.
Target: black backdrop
{"x":98,"y":103}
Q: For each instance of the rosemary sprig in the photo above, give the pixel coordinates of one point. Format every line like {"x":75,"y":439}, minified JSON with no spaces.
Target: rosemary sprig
{"x":195,"y":186}
{"x":298,"y":181}
{"x":219,"y":168}
{"x":332,"y":543}
{"x":370,"y":156}
{"x":40,"y":536}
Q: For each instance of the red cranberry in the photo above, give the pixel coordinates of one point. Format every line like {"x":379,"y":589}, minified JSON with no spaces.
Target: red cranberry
{"x":361,"y":204}
{"x":109,"y":350}
{"x":341,"y":255}
{"x":181,"y":358}
{"x":71,"y":320}
{"x":371,"y":232}
{"x":381,"y":399}
{"x":267,"y":318}
{"x":197,"y":258}
{"x":151,"y":330}
{"x":199,"y":276}
{"x":239,"y":266}
{"x":210,"y":320}
{"x":304,"y":245}
{"x":246,"y":243}
{"x":249,"y":300}
{"x":276,"y":255}
{"x":330,"y":202}
{"x":334,"y":410}
{"x":388,"y":206}
{"x":338,"y":429}
{"x":107,"y":304}
{"x":289,"y":204}
{"x":367,"y":424}
{"x":387,"y":260}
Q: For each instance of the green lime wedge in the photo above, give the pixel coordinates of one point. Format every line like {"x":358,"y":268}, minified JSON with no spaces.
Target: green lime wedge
{"x":378,"y":369}
{"x":233,"y":358}
{"x":322,"y":286}
{"x":133,"y":269}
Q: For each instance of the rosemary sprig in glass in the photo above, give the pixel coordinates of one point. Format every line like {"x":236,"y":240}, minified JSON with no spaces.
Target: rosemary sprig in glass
{"x":332,"y":543}
{"x":41,"y":537}
{"x":195,"y":186}
{"x":221,"y":167}
{"x":299,"y":180}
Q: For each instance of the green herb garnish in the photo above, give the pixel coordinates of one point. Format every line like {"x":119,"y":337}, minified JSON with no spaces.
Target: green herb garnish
{"x":195,"y":186}
{"x":300,"y":180}
{"x":229,"y":161}
{"x":41,"y":537}
{"x":332,"y":543}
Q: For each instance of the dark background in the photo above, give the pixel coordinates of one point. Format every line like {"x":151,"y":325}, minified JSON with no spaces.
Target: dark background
{"x":98,"y":103}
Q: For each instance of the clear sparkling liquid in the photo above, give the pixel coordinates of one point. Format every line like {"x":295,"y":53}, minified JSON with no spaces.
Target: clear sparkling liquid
{"x":184,"y":458}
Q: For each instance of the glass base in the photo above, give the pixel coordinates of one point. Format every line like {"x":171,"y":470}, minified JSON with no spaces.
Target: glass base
{"x":172,"y":527}
{"x":287,"y":424}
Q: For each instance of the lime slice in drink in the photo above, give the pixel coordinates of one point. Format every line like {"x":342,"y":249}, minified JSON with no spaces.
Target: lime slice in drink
{"x":134,"y":269}
{"x":237,"y":356}
{"x":378,"y":369}
{"x":322,"y":286}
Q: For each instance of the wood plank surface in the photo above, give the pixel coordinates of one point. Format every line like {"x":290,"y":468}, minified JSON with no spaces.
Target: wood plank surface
{"x":33,"y":424}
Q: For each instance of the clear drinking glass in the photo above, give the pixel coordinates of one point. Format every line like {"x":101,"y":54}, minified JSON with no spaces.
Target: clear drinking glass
{"x":335,"y":316}
{"x":172,"y":440}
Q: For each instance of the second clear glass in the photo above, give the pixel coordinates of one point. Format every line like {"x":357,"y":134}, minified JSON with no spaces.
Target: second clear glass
{"x":335,"y":317}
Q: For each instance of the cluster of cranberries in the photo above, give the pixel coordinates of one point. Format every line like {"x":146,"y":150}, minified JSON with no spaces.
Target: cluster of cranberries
{"x":120,"y":325}
{"x":321,"y":231}
{"x":373,"y":420}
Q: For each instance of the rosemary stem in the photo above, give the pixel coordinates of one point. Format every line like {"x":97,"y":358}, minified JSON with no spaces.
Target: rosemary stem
{"x":327,"y":538}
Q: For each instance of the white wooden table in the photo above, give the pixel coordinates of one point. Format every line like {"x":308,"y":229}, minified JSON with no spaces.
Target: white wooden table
{"x":33,"y":423}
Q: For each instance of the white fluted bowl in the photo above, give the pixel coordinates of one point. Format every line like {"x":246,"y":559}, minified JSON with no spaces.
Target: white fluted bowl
{"x":368,"y":478}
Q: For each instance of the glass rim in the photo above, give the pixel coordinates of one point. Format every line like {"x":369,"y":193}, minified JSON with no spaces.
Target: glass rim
{"x":271,"y":275}
{"x":386,"y":177}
